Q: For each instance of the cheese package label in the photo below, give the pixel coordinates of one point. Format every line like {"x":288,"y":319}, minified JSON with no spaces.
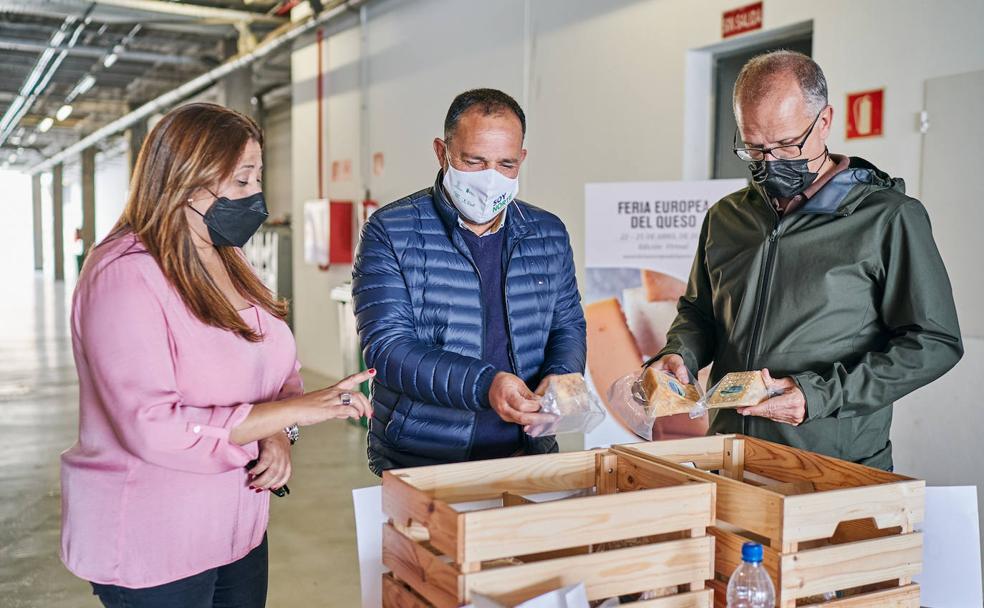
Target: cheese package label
{"x":738,"y":389}
{"x":667,"y":395}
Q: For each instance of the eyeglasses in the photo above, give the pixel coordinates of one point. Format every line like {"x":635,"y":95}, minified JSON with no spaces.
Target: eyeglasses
{"x":785,"y":152}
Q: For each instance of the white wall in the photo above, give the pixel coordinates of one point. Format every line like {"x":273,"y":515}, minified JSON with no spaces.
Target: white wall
{"x":112,"y":187}
{"x":603,"y":85}
{"x":277,"y":158}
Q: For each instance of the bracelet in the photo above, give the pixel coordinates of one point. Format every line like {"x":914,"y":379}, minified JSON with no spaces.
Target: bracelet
{"x":293,"y":433}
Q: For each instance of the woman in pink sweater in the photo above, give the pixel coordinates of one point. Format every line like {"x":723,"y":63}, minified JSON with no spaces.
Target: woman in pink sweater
{"x":187,"y":372}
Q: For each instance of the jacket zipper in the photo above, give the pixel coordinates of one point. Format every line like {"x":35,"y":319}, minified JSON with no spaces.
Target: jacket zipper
{"x":762,"y":299}
{"x":505,"y":300}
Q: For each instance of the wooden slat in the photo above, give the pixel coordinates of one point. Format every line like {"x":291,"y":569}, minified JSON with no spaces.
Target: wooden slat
{"x":637,"y":473}
{"x":576,"y":522}
{"x":839,"y":567}
{"x":784,"y":463}
{"x":485,"y":479}
{"x":720,"y":589}
{"x":734,"y":458}
{"x":511,"y":500}
{"x":727,"y":554}
{"x":817,"y":515}
{"x":754,"y":509}
{"x":692,"y":599}
{"x":397,"y":595}
{"x":902,"y":597}
{"x":407,"y":505}
{"x":705,"y":452}
{"x":423,"y":570}
{"x":605,"y":473}
{"x":604,"y":575}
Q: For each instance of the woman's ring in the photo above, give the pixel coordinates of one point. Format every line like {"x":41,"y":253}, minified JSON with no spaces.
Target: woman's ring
{"x":346,"y":398}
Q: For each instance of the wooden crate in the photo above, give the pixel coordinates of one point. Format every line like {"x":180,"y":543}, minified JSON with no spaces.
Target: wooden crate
{"x":634,"y":527}
{"x":826,"y":525}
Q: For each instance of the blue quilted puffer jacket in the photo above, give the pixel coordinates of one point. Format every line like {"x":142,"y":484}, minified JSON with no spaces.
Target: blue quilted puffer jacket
{"x":418,"y":310}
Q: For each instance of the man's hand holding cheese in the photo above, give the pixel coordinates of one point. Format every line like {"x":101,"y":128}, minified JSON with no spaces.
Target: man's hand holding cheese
{"x":823,"y":274}
{"x":787,"y":405}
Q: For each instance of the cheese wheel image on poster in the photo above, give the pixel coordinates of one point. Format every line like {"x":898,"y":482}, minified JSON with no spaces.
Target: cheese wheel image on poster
{"x":651,"y":308}
{"x":613,"y":353}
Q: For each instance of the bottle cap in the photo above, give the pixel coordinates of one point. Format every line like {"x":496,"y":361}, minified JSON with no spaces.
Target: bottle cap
{"x":751,"y":552}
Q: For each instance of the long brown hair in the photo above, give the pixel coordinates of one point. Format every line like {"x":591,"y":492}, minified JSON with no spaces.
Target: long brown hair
{"x":194,"y":146}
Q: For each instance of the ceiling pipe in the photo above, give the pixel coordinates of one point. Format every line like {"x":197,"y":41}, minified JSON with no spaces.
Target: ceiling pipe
{"x":159,"y":7}
{"x":7,"y":44}
{"x":277,"y":39}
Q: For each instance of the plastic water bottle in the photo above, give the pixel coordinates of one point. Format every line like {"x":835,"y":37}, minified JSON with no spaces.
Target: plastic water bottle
{"x":750,"y":585}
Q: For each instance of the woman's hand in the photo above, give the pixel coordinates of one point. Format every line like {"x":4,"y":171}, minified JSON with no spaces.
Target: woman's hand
{"x":272,"y":468}
{"x":340,"y":401}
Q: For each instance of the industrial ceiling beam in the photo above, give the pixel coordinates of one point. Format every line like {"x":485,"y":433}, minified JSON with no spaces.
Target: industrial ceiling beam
{"x":277,"y":39}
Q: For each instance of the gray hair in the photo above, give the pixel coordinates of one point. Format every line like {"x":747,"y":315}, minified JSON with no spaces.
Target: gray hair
{"x":758,"y":75}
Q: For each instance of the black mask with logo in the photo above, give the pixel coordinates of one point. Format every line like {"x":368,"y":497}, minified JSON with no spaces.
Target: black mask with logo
{"x":232,"y":222}
{"x":784,"y":178}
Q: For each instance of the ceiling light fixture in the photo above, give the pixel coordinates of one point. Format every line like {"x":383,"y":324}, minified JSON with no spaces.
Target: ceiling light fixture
{"x":45,"y":124}
{"x":82,"y":87}
{"x":63,"y":112}
{"x":47,"y":64}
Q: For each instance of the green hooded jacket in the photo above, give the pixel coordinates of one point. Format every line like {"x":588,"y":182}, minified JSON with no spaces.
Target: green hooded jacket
{"x":848,"y":295}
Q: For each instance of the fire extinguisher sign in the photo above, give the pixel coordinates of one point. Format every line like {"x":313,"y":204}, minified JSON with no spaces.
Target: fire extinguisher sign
{"x":865,"y":113}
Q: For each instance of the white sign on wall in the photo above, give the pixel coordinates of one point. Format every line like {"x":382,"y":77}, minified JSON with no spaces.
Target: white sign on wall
{"x":652,"y":225}
{"x":640,"y":240}
{"x":316,"y":232}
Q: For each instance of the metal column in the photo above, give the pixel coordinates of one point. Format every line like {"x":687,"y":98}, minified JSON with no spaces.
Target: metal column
{"x":38,"y":236}
{"x":88,"y":198}
{"x":58,"y":238}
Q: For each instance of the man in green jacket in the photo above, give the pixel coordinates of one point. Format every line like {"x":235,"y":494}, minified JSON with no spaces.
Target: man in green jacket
{"x":822,"y":273}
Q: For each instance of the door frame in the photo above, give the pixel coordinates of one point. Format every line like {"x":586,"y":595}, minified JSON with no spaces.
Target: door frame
{"x":700,"y":95}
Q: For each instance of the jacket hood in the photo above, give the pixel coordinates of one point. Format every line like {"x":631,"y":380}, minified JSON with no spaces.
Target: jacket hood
{"x":846,"y":190}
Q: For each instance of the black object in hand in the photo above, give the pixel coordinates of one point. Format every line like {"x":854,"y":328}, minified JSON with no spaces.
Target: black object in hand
{"x":281,"y":491}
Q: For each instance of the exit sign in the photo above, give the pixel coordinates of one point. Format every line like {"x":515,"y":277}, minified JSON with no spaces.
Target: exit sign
{"x":741,"y":20}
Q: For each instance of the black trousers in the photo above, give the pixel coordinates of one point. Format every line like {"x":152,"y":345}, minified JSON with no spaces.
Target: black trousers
{"x":241,"y":584}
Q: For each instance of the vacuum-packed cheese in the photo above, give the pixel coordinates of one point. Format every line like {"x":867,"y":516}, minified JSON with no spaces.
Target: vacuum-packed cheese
{"x":666,"y":394}
{"x":739,"y":389}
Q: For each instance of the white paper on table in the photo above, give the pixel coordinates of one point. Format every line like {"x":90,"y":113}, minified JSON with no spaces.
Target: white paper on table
{"x":316,"y":232}
{"x":369,"y":520}
{"x":572,"y":596}
{"x":951,"y":574}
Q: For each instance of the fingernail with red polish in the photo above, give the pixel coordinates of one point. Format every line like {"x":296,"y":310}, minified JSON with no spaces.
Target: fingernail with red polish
{"x":372,"y":372}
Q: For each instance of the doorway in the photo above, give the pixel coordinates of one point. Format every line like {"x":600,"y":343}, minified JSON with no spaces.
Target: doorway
{"x":727,"y":65}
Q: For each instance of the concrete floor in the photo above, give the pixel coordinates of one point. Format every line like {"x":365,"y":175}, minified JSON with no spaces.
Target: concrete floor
{"x":312,"y":532}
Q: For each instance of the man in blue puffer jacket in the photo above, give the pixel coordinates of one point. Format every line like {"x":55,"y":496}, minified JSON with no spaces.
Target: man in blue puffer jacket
{"x":465,"y":300}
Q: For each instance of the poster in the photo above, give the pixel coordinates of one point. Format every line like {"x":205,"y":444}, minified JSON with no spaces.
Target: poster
{"x":640,"y":241}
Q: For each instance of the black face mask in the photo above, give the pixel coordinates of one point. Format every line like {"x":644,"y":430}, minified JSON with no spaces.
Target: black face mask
{"x":232,"y":222}
{"x":784,"y":178}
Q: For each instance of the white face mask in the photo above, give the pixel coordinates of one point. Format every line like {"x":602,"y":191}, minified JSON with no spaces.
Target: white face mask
{"x":479,"y":196}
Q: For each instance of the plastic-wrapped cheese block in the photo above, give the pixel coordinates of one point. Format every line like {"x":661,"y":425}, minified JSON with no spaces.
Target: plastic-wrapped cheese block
{"x":568,"y":386}
{"x":572,"y":406}
{"x":738,"y":389}
{"x":666,"y":394}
